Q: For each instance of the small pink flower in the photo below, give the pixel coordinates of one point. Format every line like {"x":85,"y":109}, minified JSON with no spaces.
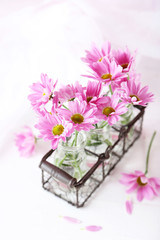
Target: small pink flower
{"x":80,"y":115}
{"x":133,"y":93}
{"x":106,"y":72}
{"x":68,"y":92}
{"x":25,"y":141}
{"x":54,"y":128}
{"x":110,"y":109}
{"x":145,"y":187}
{"x":123,"y":58}
{"x":42,"y":93}
{"x":96,"y":55}
{"x":92,"y":92}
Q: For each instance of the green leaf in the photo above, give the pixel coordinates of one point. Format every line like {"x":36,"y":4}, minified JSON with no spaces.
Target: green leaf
{"x":108,"y":142}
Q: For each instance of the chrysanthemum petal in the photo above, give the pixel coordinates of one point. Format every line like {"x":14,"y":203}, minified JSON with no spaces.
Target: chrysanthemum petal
{"x":129,"y":206}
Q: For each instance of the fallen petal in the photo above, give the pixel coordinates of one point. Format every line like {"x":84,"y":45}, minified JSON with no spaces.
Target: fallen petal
{"x":129,"y":206}
{"x":73,"y":220}
{"x":93,"y":228}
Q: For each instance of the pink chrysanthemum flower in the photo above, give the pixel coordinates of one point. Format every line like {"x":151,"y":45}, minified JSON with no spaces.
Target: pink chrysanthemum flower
{"x":68,"y":92}
{"x":42,"y":93}
{"x":145,"y":187}
{"x":106,"y":71}
{"x":92,"y":92}
{"x":25,"y":141}
{"x":133,"y":93}
{"x":96,"y":55}
{"x":55,"y":105}
{"x":130,"y":76}
{"x":80,"y":115}
{"x":123,"y":58}
{"x":110,"y":109}
{"x":54,"y":128}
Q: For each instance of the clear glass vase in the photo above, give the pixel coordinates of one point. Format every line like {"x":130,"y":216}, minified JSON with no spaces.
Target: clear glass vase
{"x":98,"y":139}
{"x":71,"y":157}
{"x":126,"y":119}
{"x":128,"y":116}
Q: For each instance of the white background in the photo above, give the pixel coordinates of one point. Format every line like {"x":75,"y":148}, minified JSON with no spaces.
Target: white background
{"x":50,"y":37}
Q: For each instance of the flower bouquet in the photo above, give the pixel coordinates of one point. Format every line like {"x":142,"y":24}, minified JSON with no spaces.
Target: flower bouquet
{"x":89,"y":127}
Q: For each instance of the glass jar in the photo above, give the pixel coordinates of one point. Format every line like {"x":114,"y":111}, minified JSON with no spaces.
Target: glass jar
{"x":125,"y":119}
{"x":98,"y":139}
{"x":71,"y":157}
{"x":128,"y":116}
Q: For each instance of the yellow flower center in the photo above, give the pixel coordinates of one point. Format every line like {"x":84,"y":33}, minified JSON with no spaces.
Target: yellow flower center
{"x":140,"y":183}
{"x":100,"y":59}
{"x":124,"y":65}
{"x":71,"y":99}
{"x":43,"y":94}
{"x":58,"y":130}
{"x":108,"y":110}
{"x":77,"y":118}
{"x":50,"y":96}
{"x":106,"y":76}
{"x":89,"y":99}
{"x":132,"y":95}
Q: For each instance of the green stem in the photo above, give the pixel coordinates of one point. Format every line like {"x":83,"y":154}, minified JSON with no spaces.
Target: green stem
{"x":65,"y":106}
{"x":148,"y":152}
{"x":61,"y":162}
{"x":80,"y":172}
{"x":76,"y":135}
{"x":73,"y":142}
{"x":103,"y":124}
{"x":110,"y":88}
{"x":77,"y":167}
{"x":37,"y":139}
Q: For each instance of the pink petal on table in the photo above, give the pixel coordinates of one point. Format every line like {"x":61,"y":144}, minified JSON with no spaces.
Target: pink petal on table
{"x":114,"y":137}
{"x":92,"y":164}
{"x":63,"y":185}
{"x":129,"y":206}
{"x":72,"y":220}
{"x":93,"y":228}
